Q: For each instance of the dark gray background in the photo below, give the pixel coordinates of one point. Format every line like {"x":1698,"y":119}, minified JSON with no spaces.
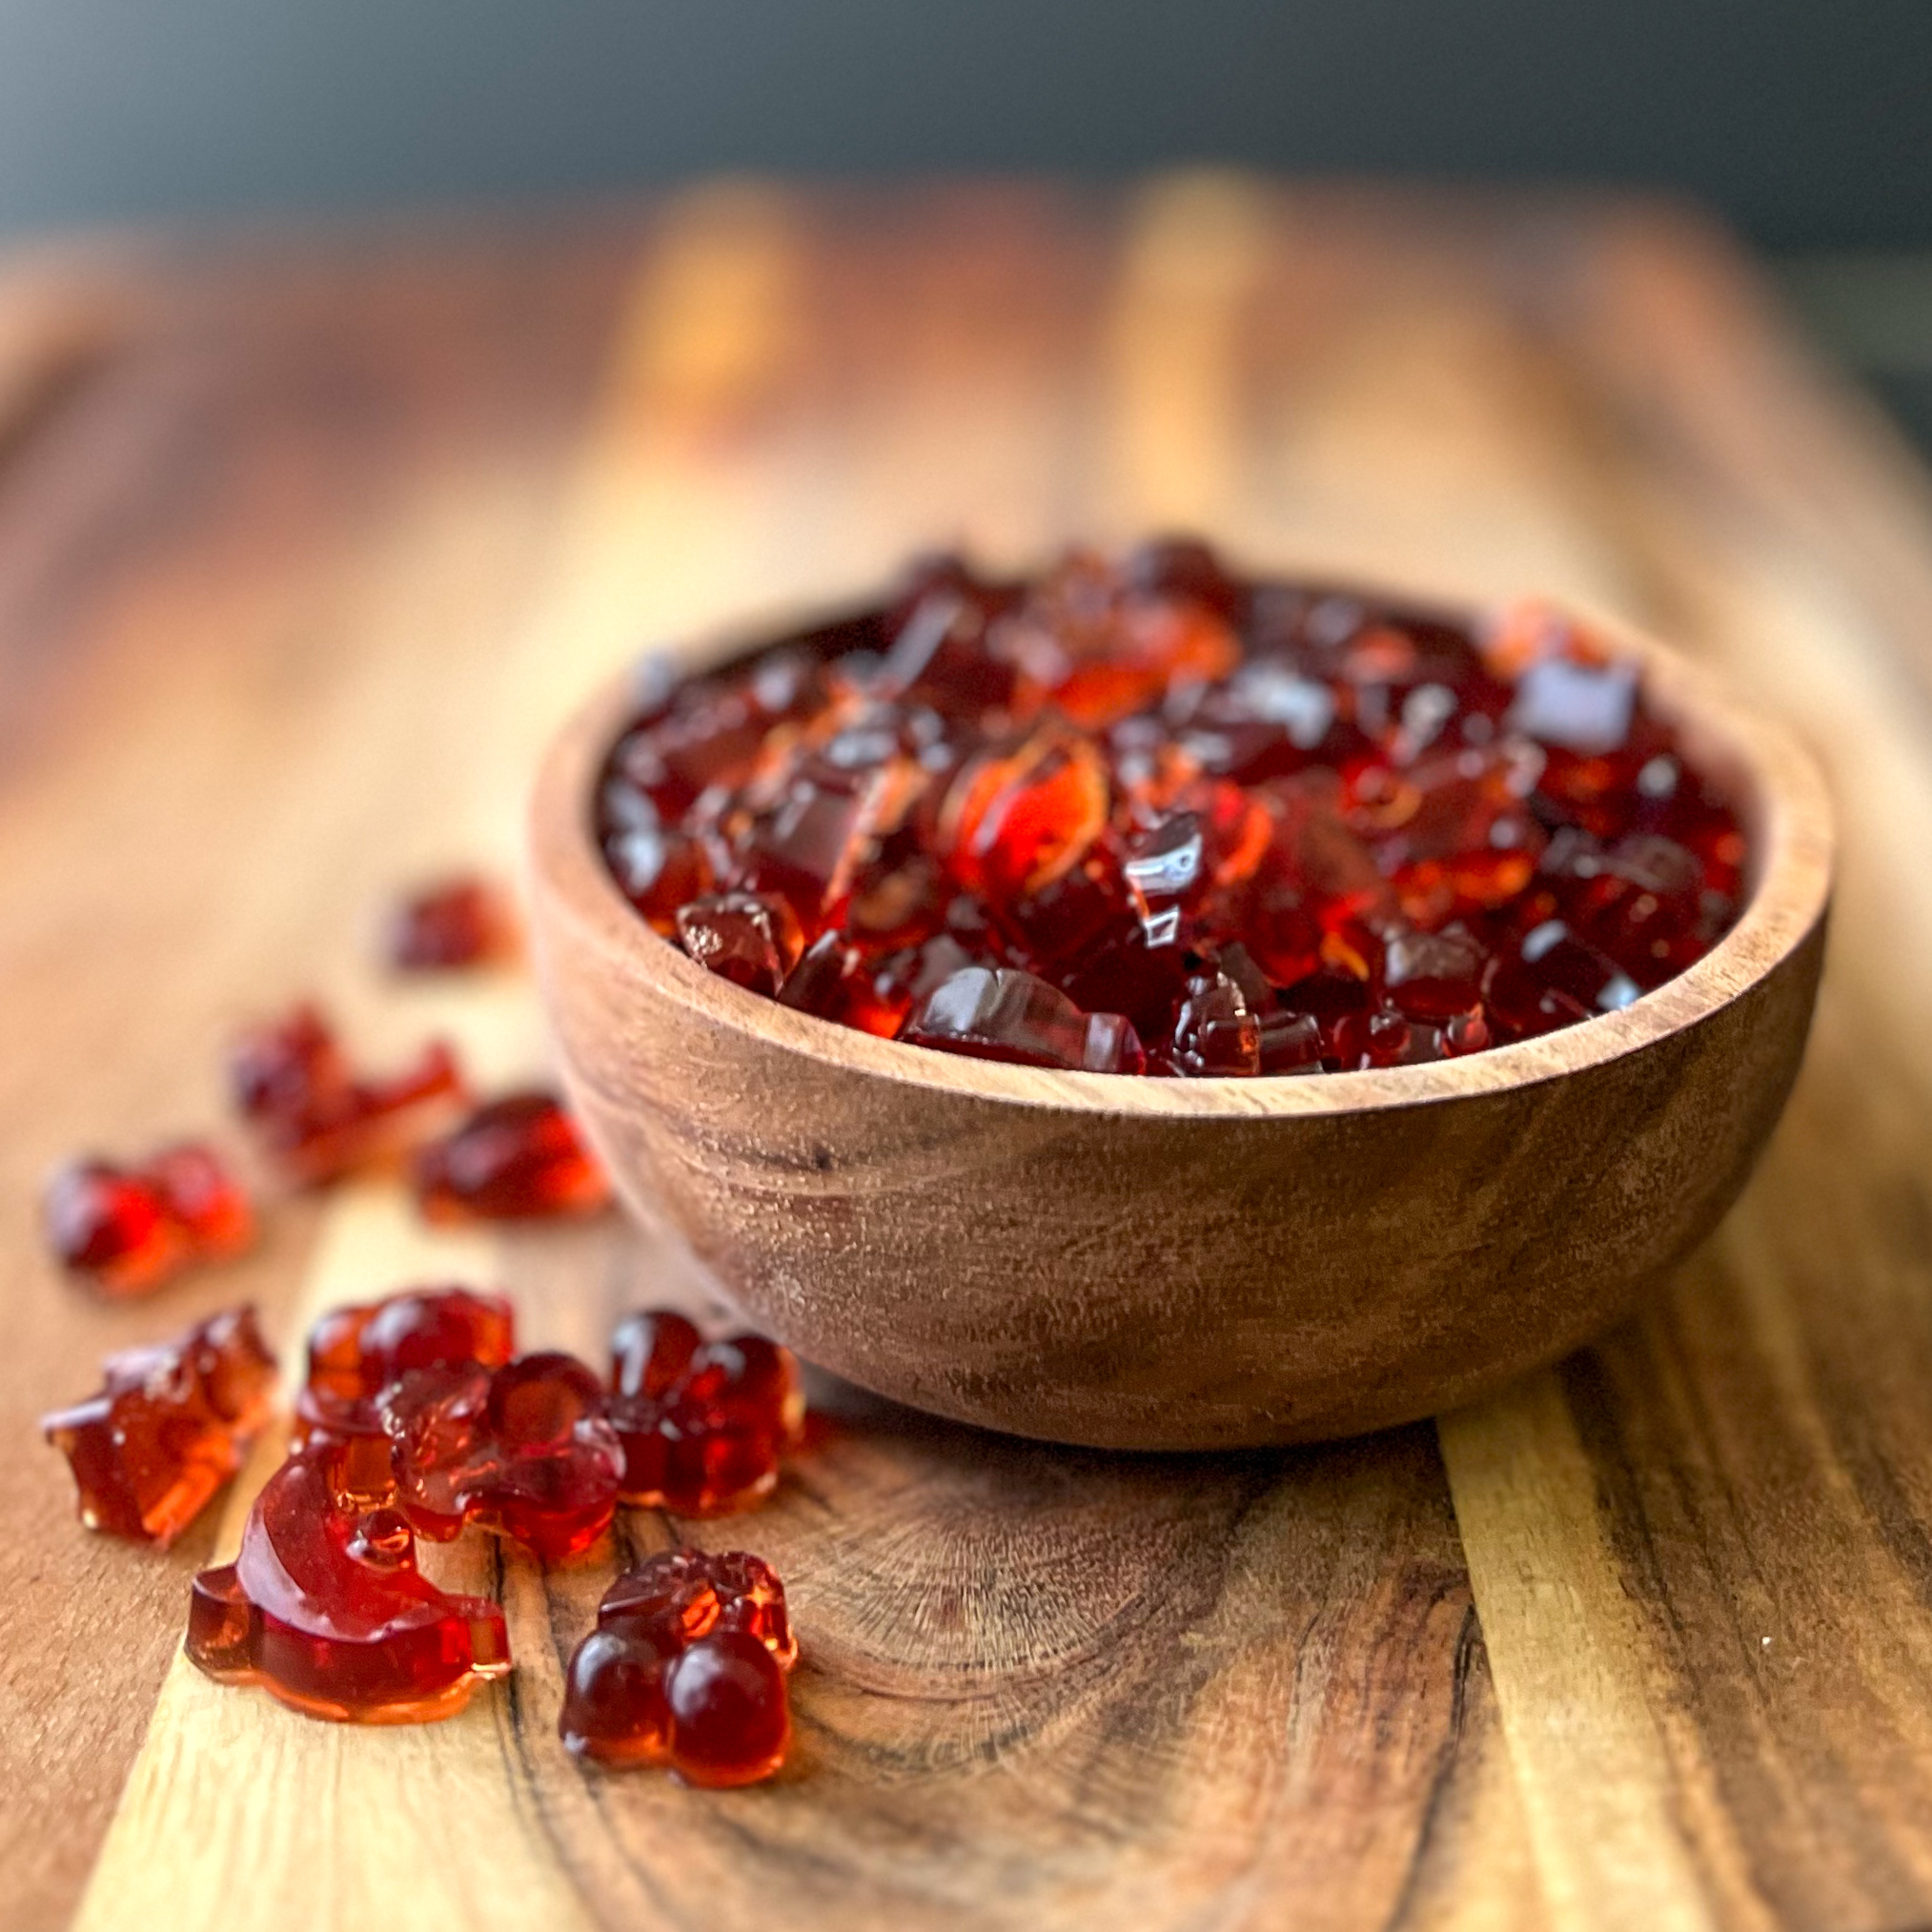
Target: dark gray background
{"x":1808,"y":124}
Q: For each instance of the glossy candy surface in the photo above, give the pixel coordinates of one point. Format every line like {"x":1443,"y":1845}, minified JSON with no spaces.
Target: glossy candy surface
{"x":422,"y":1396}
{"x":1035,"y":820}
{"x":325,"y":1609}
{"x":449,"y":925}
{"x":167,"y":1427}
{"x":130,"y":1230}
{"x":702,"y":1424}
{"x":356,"y":1353}
{"x":519,"y":1158}
{"x":686,"y":1668}
{"x":524,"y":1449}
{"x":317,"y":1119}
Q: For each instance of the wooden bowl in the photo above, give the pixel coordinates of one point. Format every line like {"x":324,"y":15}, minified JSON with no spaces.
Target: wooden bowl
{"x":1169,"y":1264}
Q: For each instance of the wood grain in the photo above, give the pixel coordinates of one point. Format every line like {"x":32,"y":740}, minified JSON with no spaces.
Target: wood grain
{"x":323,"y":514}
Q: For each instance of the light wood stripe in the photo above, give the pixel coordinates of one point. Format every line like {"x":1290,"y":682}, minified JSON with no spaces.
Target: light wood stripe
{"x":1566,"y":1654}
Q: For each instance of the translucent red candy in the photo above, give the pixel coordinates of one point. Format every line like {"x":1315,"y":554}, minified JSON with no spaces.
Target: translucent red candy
{"x":325,"y":1609}
{"x":430,"y":1412}
{"x":356,"y":1353}
{"x":1036,"y":821}
{"x":524,"y":1451}
{"x":167,"y":1427}
{"x":129,"y":1230}
{"x":315,"y":1118}
{"x":448,"y":925}
{"x":1001,"y":1014}
{"x":519,"y":1158}
{"x":686,"y":1668}
{"x":702,"y":1424}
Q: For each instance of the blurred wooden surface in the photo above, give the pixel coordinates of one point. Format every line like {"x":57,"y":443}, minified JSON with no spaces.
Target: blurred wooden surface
{"x":303,"y":546}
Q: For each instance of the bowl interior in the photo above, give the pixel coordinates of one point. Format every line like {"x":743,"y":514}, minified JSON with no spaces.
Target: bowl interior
{"x":1769,"y":777}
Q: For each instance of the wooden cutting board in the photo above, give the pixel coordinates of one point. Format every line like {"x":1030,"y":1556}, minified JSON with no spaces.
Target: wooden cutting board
{"x":305,"y":542}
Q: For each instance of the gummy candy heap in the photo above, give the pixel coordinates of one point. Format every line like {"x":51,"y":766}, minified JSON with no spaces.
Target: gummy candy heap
{"x":1155,"y":817}
{"x":418,"y":1419}
{"x":130,"y":1230}
{"x":686,"y":1668}
{"x":167,"y":1427}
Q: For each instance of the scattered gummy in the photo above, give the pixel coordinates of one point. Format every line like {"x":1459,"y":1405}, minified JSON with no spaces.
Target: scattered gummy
{"x":685,"y":1669}
{"x":315,"y":1118}
{"x":519,"y":1158}
{"x":703,"y":1424}
{"x":167,"y":1427}
{"x":130,"y":1230}
{"x":449,"y":925}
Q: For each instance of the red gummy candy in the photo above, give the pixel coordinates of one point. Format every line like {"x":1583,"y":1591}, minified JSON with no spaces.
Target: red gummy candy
{"x":1002,"y":1013}
{"x":314,"y":1118}
{"x":449,"y":925}
{"x":686,"y":1668}
{"x":1215,"y":1032}
{"x":515,"y":1159}
{"x":1035,"y":820}
{"x":749,"y":938}
{"x":703,"y":1424}
{"x":109,"y":1225}
{"x":131,"y":1229}
{"x":167,"y":1427}
{"x":325,"y":1610}
{"x":356,"y":1353}
{"x":526,"y":1452}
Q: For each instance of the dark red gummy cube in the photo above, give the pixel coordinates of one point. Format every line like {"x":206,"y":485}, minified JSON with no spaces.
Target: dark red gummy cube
{"x":749,"y":938}
{"x":1002,"y":1013}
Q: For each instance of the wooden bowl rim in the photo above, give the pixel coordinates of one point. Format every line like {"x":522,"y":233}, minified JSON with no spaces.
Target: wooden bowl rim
{"x":1793,"y":851}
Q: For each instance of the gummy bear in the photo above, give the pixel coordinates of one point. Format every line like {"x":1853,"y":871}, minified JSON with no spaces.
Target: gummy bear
{"x":325,"y":1610}
{"x":167,"y":1427}
{"x":448,"y":925}
{"x":314,"y":1118}
{"x":130,"y":1230}
{"x":356,"y":1353}
{"x":686,"y":1668}
{"x":525,"y":1451}
{"x":519,"y":1158}
{"x":703,"y":1424}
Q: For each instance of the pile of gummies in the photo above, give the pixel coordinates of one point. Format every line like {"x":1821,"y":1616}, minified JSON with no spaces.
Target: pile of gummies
{"x":419,"y":1419}
{"x":1149,"y":816}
